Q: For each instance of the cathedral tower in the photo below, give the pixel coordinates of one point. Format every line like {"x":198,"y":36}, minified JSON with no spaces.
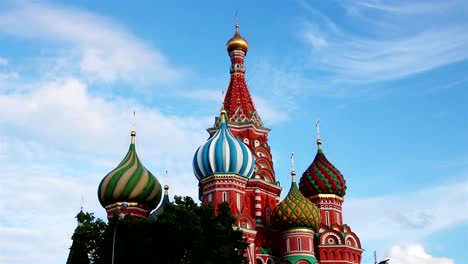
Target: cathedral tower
{"x":259,"y":191}
{"x":324,"y":185}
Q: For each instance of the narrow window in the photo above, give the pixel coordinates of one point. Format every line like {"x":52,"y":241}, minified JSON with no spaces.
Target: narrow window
{"x":224,"y":196}
{"x":287,"y":245}
{"x":327,"y":218}
{"x":238,"y":201}
{"x":299,"y":245}
{"x":210,"y":197}
{"x":338,"y":218}
{"x":268,"y":216}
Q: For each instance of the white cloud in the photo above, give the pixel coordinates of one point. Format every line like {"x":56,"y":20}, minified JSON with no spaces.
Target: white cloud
{"x":414,"y":254}
{"x":105,"y":51}
{"x":408,"y":216}
{"x":268,"y":111}
{"x":384,"y":51}
{"x":398,"y":7}
{"x":267,"y":108}
{"x":39,"y":208}
{"x":58,"y":143}
{"x":315,"y":40}
{"x":3,"y":61}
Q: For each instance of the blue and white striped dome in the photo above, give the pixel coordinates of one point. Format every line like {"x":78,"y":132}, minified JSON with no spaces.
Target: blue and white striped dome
{"x":223,"y":153}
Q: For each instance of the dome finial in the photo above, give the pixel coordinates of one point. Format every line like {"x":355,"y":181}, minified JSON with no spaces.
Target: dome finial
{"x":319,"y":141}
{"x":222,"y":100}
{"x":166,"y":189}
{"x":223,"y":116}
{"x":133,"y":133}
{"x":293,"y":168}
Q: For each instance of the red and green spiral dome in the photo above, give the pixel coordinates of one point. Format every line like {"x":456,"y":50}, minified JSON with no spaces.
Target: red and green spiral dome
{"x":322,"y":177}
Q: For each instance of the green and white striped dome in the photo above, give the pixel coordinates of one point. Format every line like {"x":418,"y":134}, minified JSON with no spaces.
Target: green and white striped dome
{"x":130,"y":182}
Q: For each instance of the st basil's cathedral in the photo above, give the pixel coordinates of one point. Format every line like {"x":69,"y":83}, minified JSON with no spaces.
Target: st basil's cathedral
{"x":235,"y":165}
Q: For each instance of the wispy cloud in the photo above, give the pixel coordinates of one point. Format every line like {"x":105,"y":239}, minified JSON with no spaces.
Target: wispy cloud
{"x":51,"y":130}
{"x":267,"y":108}
{"x":414,"y":215}
{"x":400,"y":39}
{"x":414,"y":254}
{"x":404,"y":7}
{"x":3,"y":61}
{"x":105,"y":51}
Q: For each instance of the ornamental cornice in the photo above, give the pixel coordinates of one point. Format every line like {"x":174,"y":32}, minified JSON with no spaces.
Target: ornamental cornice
{"x":334,"y":196}
{"x":239,"y":126}
{"x":224,"y":175}
{"x":339,"y":246}
{"x":260,"y":181}
{"x":117,"y":204}
{"x":298,"y":230}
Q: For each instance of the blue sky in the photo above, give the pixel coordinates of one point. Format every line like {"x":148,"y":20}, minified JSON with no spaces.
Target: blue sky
{"x":386,"y":78}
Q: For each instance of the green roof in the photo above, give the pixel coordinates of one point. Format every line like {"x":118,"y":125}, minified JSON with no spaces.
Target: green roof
{"x":295,"y":259}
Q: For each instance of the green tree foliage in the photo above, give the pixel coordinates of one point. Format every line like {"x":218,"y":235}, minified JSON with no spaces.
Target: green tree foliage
{"x":184,"y":233}
{"x":87,"y":239}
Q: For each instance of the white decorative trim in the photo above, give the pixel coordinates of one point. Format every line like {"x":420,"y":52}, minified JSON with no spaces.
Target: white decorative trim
{"x":326,"y":235}
{"x":354,"y":240}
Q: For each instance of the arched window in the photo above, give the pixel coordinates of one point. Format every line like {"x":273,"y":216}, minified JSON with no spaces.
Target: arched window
{"x":256,"y":143}
{"x":245,"y":224}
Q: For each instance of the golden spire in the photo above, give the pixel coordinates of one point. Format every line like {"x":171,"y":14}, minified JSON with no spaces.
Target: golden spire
{"x":223,"y":116}
{"x":237,"y":42}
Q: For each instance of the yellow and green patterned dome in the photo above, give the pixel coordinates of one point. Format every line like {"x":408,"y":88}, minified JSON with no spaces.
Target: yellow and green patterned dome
{"x":296,"y":211}
{"x":130,"y":182}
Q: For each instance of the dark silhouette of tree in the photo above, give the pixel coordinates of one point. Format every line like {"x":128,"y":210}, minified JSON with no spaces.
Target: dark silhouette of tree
{"x":87,"y":238}
{"x":185,"y":233}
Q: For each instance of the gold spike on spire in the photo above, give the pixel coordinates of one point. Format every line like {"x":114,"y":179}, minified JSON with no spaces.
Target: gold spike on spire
{"x":223,"y":116}
{"x":293,"y":168}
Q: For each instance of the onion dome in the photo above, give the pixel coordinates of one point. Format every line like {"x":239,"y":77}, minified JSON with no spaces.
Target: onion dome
{"x":322,"y":177}
{"x":237,"y":42}
{"x":223,"y":153}
{"x":130,"y":182}
{"x":296,"y":211}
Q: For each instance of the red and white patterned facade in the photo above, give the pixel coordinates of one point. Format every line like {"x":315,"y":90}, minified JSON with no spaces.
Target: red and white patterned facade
{"x":253,"y":200}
